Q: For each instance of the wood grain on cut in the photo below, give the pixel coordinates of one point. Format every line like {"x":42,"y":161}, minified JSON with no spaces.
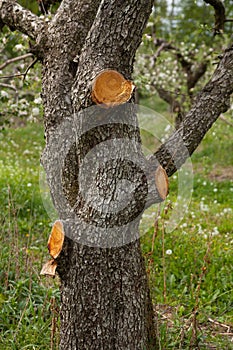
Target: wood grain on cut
{"x":110,"y":88}
{"x":49,"y":268}
{"x":161,"y":182}
{"x":56,"y":239}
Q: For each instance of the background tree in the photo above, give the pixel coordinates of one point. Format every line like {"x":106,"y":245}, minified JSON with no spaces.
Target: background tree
{"x":105,"y":301}
{"x":180,"y":50}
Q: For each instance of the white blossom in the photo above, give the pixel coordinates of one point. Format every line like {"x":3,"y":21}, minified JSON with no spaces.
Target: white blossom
{"x":168,"y":251}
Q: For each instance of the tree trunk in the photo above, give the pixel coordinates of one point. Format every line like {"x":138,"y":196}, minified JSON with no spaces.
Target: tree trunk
{"x":105,"y":300}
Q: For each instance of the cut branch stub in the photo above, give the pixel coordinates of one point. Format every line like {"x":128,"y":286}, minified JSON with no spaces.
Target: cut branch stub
{"x":49,"y":268}
{"x":56,"y":239}
{"x":161,"y":182}
{"x":110,"y":88}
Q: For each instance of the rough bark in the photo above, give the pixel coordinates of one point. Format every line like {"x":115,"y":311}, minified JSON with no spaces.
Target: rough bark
{"x":17,"y":17}
{"x":105,"y":296}
{"x":65,"y":39}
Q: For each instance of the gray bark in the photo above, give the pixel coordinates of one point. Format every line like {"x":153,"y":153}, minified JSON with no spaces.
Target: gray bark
{"x":16,"y":17}
{"x":105,"y":302}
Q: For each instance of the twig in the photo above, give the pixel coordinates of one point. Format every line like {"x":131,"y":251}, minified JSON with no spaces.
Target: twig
{"x":12,"y":76}
{"x":164,"y":264}
{"x":15,"y":59}
{"x":225,"y":120}
{"x":24,"y":74}
{"x":31,"y":65}
{"x":206,"y":262}
{"x":156,"y":228}
{"x":220,"y":324}
{"x":8,"y":86}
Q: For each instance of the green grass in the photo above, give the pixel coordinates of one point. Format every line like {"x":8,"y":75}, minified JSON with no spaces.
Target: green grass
{"x":196,"y":275}
{"x":25,"y":298}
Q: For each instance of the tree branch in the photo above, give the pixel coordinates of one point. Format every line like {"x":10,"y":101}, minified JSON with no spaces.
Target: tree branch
{"x":213,"y":100}
{"x":193,"y":76}
{"x":169,"y":97}
{"x":8,"y":86}
{"x":24,"y":74}
{"x":66,"y":36}
{"x":220,"y":15}
{"x":112,"y":42}
{"x":15,"y":59}
{"x":17,"y":17}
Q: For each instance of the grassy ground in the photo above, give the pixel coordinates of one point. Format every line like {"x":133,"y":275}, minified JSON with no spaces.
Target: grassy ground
{"x":190,"y":268}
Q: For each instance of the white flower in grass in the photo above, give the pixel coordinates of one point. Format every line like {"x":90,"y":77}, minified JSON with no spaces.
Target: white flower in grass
{"x":4,"y":93}
{"x":204,"y":207}
{"x":227,"y":210}
{"x":169,"y":252}
{"x":38,"y":100}
{"x":35,"y":111}
{"x":200,"y":230}
{"x":19,"y":47}
{"x":215,"y":231}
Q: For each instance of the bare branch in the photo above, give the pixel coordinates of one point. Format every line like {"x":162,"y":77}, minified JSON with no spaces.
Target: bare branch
{"x":220,"y":15}
{"x":195,"y":75}
{"x":169,"y":97}
{"x":24,"y":74}
{"x":31,"y":65}
{"x":8,"y":86}
{"x":11,"y":76}
{"x":15,"y":59}
{"x":16,"y":17}
{"x":225,"y":120}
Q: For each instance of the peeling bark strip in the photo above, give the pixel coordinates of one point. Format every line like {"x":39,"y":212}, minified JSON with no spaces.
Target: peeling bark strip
{"x":110,"y":88}
{"x":49,"y":268}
